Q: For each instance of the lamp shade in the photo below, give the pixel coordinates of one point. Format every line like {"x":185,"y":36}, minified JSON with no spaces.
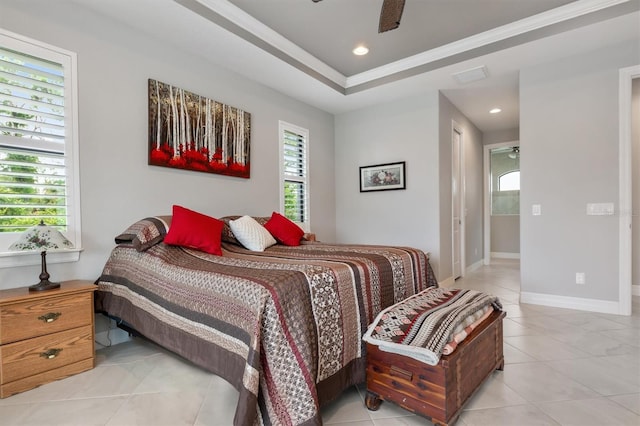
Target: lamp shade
{"x":41,"y":237}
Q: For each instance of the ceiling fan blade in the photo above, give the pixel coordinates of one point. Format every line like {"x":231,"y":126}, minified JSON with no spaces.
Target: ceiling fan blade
{"x":390,"y":15}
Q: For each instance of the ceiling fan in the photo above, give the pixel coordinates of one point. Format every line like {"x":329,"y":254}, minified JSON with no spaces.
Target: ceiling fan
{"x":389,"y":15}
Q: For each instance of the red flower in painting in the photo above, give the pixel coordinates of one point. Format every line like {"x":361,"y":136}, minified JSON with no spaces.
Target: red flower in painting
{"x":217,"y":156}
{"x":201,"y":167}
{"x":238,"y":168}
{"x":159,"y":156}
{"x":217,"y":166}
{"x":192,"y":156}
{"x":178,"y":162}
{"x":167,"y":149}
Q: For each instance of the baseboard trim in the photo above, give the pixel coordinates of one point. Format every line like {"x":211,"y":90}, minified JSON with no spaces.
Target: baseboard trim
{"x":447,"y":282}
{"x":591,"y":305}
{"x":475,"y":266}
{"x":503,"y":255}
{"x":635,"y":289}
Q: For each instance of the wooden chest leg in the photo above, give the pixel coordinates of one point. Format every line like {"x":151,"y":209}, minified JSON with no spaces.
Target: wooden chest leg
{"x":372,"y":401}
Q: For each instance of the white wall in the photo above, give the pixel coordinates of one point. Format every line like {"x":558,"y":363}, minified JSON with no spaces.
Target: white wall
{"x":117,"y":185}
{"x":569,"y":139}
{"x":400,"y":131}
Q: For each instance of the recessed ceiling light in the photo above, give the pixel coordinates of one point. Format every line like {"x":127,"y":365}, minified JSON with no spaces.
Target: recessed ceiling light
{"x":360,"y":50}
{"x":495,"y":111}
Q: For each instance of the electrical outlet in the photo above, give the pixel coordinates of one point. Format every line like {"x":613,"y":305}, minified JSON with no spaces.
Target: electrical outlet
{"x":580,"y":278}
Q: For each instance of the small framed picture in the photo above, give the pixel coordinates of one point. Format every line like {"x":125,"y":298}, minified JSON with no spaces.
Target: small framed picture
{"x":382,"y":177}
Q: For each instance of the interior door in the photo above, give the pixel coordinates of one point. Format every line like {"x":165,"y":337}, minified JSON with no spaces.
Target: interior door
{"x":456,"y":200}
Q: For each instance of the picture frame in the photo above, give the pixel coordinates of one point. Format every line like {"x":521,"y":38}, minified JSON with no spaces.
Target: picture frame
{"x":383,"y":177}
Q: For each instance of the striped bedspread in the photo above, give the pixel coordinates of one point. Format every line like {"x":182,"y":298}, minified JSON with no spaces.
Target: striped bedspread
{"x":422,"y":326}
{"x":283,"y":326}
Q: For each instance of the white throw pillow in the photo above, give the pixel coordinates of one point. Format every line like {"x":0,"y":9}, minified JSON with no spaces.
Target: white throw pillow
{"x":251,"y":234}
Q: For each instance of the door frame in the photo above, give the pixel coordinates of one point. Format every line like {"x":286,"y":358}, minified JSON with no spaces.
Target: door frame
{"x":625,"y":204}
{"x":487,"y":195}
{"x":456,"y":128}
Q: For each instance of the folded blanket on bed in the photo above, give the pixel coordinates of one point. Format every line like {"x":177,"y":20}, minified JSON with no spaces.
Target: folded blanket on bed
{"x":421,"y":326}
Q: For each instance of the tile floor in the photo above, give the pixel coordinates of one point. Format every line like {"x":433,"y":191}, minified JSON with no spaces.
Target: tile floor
{"x":563,"y":367}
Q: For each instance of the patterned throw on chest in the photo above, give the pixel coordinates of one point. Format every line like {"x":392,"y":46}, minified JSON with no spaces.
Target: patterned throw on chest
{"x":422,"y":325}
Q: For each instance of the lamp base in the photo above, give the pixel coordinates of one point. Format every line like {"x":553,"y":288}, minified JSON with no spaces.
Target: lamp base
{"x":44,"y":285}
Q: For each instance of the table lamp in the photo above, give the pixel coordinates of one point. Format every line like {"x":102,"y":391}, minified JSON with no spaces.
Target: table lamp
{"x":42,"y":237}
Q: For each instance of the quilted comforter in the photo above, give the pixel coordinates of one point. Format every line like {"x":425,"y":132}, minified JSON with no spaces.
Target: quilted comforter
{"x":283,"y":326}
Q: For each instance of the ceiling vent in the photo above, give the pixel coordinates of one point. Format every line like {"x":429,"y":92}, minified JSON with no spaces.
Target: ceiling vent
{"x":473,"y":74}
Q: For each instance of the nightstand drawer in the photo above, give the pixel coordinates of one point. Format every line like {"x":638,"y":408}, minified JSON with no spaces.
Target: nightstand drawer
{"x":31,"y":318}
{"x":40,"y":354}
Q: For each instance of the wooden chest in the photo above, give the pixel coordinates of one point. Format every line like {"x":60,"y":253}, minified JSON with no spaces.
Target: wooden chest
{"x":437,"y":392}
{"x":45,"y":336}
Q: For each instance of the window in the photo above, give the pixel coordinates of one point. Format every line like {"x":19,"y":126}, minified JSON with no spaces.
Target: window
{"x":509,"y":181}
{"x":38,"y":139}
{"x":294,"y":195}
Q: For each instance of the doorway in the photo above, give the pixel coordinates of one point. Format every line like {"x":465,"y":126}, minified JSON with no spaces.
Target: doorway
{"x":502,"y":201}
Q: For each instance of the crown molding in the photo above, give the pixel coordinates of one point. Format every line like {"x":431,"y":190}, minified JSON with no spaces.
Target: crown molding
{"x":242,"y":24}
{"x":541,"y":20}
{"x":243,"y":20}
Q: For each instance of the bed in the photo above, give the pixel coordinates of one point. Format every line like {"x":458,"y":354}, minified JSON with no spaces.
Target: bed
{"x":283,"y":325}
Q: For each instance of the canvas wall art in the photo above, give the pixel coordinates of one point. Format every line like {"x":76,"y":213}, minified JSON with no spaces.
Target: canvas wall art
{"x":192,"y":132}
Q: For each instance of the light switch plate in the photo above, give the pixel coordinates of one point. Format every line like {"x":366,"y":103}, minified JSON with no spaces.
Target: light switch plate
{"x":536,"y":209}
{"x":600,"y":209}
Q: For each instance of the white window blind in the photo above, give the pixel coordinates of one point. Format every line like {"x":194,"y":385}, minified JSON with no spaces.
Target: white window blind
{"x":38,"y":164}
{"x":295,"y":195}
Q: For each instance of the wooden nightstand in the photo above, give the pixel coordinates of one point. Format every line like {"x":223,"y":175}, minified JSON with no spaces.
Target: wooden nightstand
{"x":45,"y":336}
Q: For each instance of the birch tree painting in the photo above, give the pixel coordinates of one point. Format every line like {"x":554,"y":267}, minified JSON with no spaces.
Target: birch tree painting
{"x":189,"y":131}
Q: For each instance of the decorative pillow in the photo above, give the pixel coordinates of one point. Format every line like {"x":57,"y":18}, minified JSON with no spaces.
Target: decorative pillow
{"x":195,"y":230}
{"x":227,"y":233}
{"x":284,"y":230}
{"x":251,"y":234}
{"x":145,"y":233}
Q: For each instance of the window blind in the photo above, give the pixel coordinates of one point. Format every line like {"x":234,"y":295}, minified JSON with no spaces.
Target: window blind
{"x":295,"y":176}
{"x":33,"y":172}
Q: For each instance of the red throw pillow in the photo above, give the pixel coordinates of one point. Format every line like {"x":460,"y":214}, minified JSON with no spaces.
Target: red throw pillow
{"x":284,"y":230}
{"x":195,"y":230}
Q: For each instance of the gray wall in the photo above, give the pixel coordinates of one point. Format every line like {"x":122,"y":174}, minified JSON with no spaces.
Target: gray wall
{"x":399,"y":131}
{"x":117,"y":185}
{"x":499,"y":136}
{"x":505,"y":235}
{"x":418,"y":131}
{"x":569,"y":139}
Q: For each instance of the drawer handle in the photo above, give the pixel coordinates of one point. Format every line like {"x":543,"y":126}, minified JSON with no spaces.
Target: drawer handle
{"x":51,"y":353}
{"x":50,"y":317}
{"x":400,"y":372}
